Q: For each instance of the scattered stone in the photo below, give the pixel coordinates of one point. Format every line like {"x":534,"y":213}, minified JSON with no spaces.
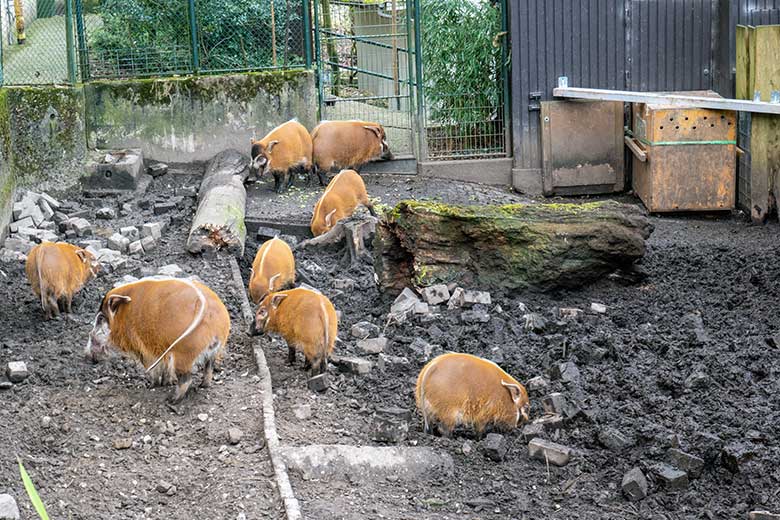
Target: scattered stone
{"x":495,"y":446}
{"x":70,"y":234}
{"x":12,"y":257}
{"x":123,"y":443}
{"x":697,"y":379}
{"x":422,"y":348}
{"x":234,"y":436}
{"x":344,"y":284}
{"x":148,"y":244}
{"x":475,"y":316}
{"x":135,"y":248}
{"x":671,"y":478}
{"x":389,"y":430}
{"x":707,"y":445}
{"x":532,"y":431}
{"x":569,"y":372}
{"x":131,"y":232}
{"x":157,"y":169}
{"x":598,"y":308}
{"x":152,"y":229}
{"x":80,"y":226}
{"x":470,"y":298}
{"x":46,"y":210}
{"x":421,"y":308}
{"x":534,"y":322}
{"x":105,"y":213}
{"x":187,"y":191}
{"x":49,"y":200}
{"x":691,"y":464}
{"x":171,"y":491}
{"x":26,"y":222}
{"x":48,"y":225}
{"x":59,"y":218}
{"x":763,"y":515}
{"x":455,"y":298}
{"x":125,"y":209}
{"x":634,"y":485}
{"x":467,"y":447}
{"x":614,"y":439}
{"x":118,"y":242}
{"x":34,"y":212}
{"x":164,"y":207}
{"x":5,"y":384}
{"x":202,"y":417}
{"x":373,"y":345}
{"x":45,"y":421}
{"x":319,"y":383}
{"x":549,"y":422}
{"x":352,"y":365}
{"x":172,"y":270}
{"x":569,"y":313}
{"x":404,"y":303}
{"x":164,"y":486}
{"x":8,"y":508}
{"x":537,"y":384}
{"x":302,"y":411}
{"x":557,"y":403}
{"x":544,"y":450}
{"x":385,"y":361}
{"x":364,"y":329}
{"x":435,"y":294}
{"x":395,"y":412}
{"x":734,"y":455}
{"x":17,"y":371}
{"x":266,"y":233}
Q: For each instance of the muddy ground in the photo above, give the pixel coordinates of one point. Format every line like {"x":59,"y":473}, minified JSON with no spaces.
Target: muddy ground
{"x":649,"y":368}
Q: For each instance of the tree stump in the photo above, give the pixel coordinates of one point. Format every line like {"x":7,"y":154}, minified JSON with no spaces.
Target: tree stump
{"x":219,"y":220}
{"x":518,"y":246}
{"x":355,"y":231}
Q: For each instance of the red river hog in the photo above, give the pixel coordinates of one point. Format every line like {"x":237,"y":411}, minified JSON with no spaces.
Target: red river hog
{"x":342,"y":196}
{"x":306,"y":320}
{"x":465,"y":390}
{"x":284,"y":152}
{"x":348,"y":144}
{"x":272,"y":270}
{"x":58,"y":271}
{"x":170,"y":325}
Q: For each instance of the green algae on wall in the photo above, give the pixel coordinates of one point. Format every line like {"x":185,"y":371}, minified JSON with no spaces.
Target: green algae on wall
{"x":189,"y":118}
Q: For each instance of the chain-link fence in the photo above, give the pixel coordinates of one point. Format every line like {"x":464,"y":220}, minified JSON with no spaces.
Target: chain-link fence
{"x":70,"y":40}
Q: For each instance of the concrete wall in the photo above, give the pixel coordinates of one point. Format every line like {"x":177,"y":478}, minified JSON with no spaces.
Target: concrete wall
{"x":42,"y":141}
{"x":193,"y":118}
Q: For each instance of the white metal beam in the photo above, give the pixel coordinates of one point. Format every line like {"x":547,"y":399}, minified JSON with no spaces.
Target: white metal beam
{"x":628,"y":96}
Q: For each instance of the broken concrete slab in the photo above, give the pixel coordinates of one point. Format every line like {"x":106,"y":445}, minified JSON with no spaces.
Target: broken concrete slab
{"x":80,"y":226}
{"x":614,"y":440}
{"x":763,"y":515}
{"x":387,"y":429}
{"x":148,"y":244}
{"x":435,"y":294}
{"x":152,"y":229}
{"x":691,"y":464}
{"x":475,"y":316}
{"x":131,"y":232}
{"x":8,"y":508}
{"x":734,"y":455}
{"x":172,"y":270}
{"x":495,"y":446}
{"x":135,"y":248}
{"x":105,"y":213}
{"x":531,"y":431}
{"x":318,"y":383}
{"x":364,"y":329}
{"x":118,"y":171}
{"x":598,"y":308}
{"x":157,"y":169}
{"x":537,"y":384}
{"x":470,"y":298}
{"x":634,"y":485}
{"x":344,"y":461}
{"x":16,"y":371}
{"x":672,"y":478}
{"x":118,"y":242}
{"x":26,"y":222}
{"x":404,"y":303}
{"x":554,"y":453}
{"x":373,"y":345}
{"x":456,"y":296}
{"x":352,"y":365}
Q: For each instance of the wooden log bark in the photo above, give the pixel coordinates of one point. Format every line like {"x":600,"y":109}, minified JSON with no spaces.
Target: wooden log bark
{"x":540,"y":246}
{"x":219,"y":220}
{"x":354,"y":231}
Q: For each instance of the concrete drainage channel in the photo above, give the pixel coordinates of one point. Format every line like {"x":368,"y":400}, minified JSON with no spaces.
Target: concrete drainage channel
{"x":323,"y":461}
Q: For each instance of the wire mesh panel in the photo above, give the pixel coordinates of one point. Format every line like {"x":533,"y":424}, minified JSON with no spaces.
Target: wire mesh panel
{"x":364,"y":65}
{"x":34,"y":42}
{"x":250,"y":34}
{"x":463,"y":50}
{"x":133,"y":38}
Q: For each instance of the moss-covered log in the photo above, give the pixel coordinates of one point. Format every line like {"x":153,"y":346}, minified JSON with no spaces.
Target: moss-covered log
{"x":219,"y":221}
{"x":542,"y":246}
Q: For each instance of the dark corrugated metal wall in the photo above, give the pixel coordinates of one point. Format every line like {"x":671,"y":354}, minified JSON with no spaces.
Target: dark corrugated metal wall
{"x":651,"y":45}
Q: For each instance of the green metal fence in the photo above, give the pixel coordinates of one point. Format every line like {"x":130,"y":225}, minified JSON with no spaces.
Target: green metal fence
{"x":71,"y":40}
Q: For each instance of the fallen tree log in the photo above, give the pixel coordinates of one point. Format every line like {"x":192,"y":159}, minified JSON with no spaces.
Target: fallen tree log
{"x":518,"y":246}
{"x":219,"y":220}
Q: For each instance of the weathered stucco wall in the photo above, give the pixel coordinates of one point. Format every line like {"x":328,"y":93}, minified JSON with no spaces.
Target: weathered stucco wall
{"x":194,"y":118}
{"x":42,"y":140}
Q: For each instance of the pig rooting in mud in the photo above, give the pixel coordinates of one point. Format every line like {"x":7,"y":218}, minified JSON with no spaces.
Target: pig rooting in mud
{"x":465,"y":390}
{"x":305,"y":319}
{"x":171,"y":326}
{"x":273,"y":269}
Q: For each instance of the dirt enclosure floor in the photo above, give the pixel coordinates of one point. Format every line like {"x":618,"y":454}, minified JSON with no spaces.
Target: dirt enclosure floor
{"x":688,"y":358}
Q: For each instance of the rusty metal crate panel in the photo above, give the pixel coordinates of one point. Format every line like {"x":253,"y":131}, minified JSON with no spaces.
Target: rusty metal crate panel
{"x":582,"y":147}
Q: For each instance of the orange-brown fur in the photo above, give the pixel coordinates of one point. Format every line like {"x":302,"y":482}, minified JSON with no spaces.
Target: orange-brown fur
{"x":146,"y":317}
{"x":344,"y":193}
{"x":285,"y":150}
{"x":305,"y":319}
{"x":348,"y":144}
{"x":273,"y":258}
{"x":464,"y":390}
{"x":58,"y":271}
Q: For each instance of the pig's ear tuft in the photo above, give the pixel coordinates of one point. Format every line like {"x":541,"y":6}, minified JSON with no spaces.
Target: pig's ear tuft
{"x":81,"y":253}
{"x":329,"y":218}
{"x":276,"y":299}
{"x":377,"y":131}
{"x":113,"y":303}
{"x":514,"y":390}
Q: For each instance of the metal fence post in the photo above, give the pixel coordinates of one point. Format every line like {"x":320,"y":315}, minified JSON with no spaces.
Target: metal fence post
{"x":318,"y":61}
{"x":70,"y":42}
{"x":418,"y":62}
{"x":194,"y":37}
{"x":82,"y":39}
{"x":306,"y":32}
